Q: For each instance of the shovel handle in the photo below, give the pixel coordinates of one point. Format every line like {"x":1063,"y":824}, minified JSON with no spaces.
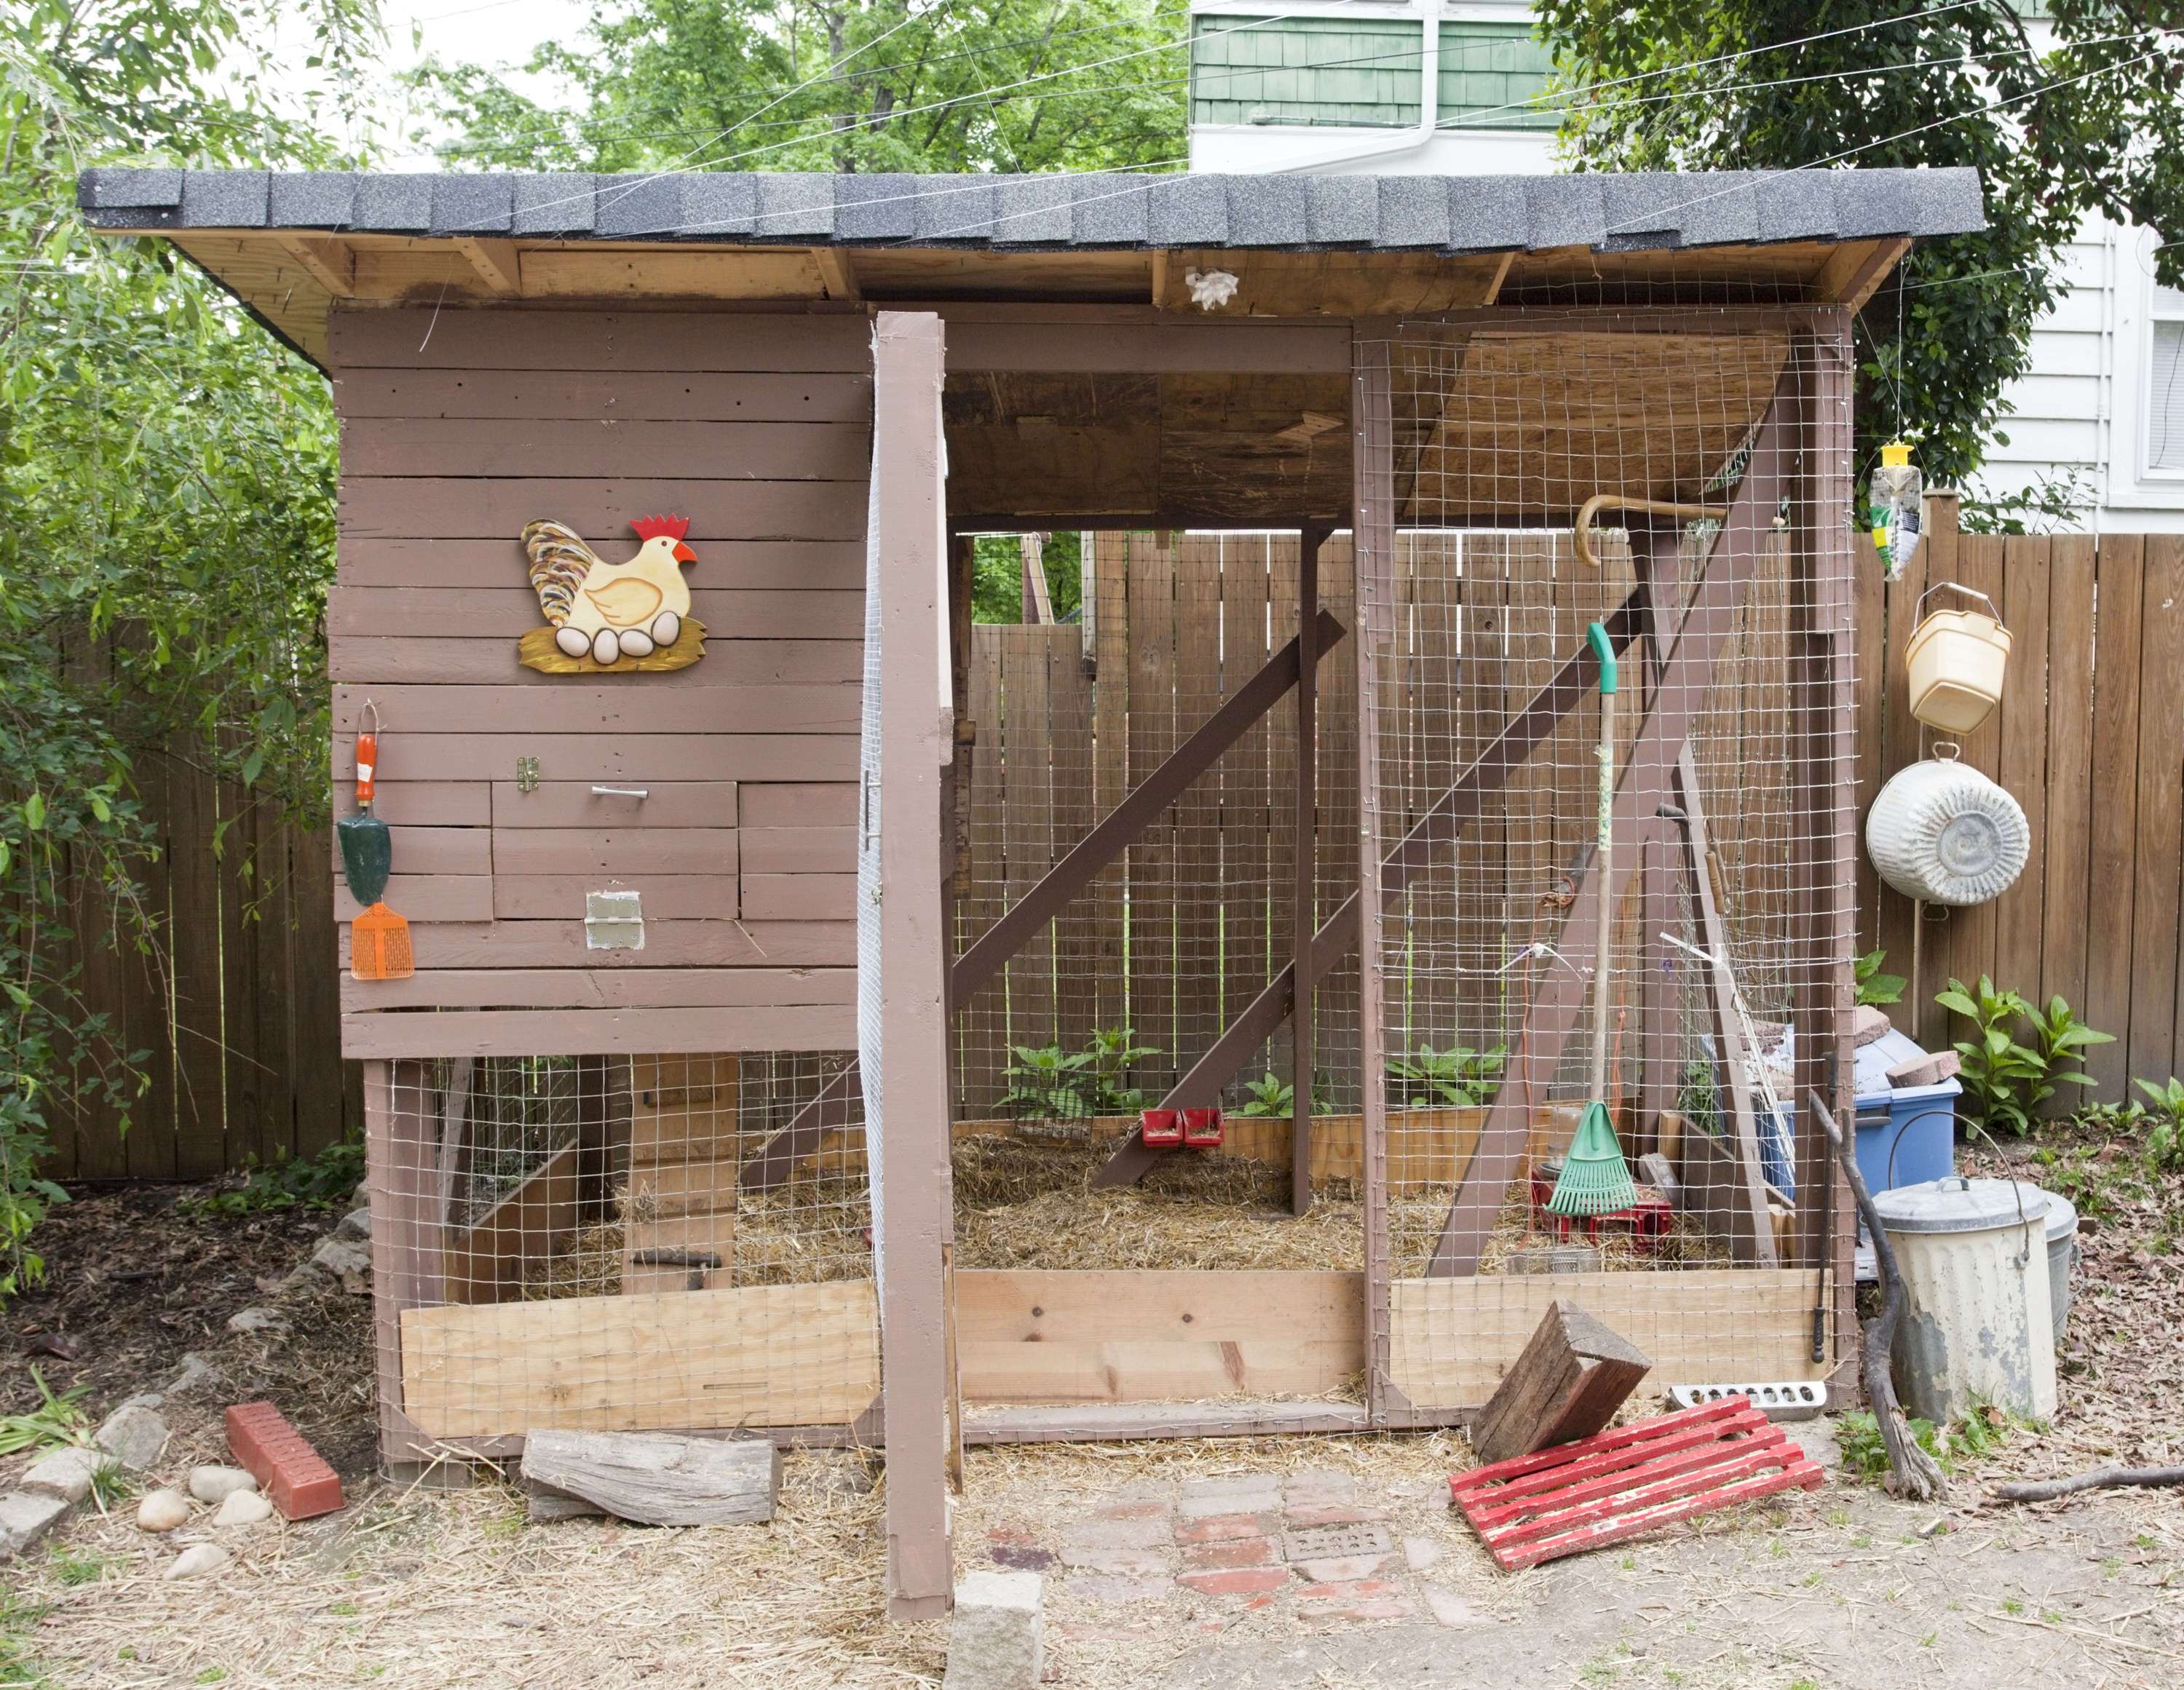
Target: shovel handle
{"x":367,"y":761}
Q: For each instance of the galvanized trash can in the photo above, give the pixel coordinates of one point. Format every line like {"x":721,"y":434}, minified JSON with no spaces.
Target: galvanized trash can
{"x":1974,"y":1256}
{"x":2062,"y":1256}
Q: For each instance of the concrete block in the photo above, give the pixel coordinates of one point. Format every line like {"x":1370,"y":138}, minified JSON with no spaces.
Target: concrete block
{"x":25,"y":1516}
{"x":66,"y":1473}
{"x":994,"y":1642}
{"x":132,"y":1435}
{"x":1930,"y":1070}
{"x":1868,"y":1022}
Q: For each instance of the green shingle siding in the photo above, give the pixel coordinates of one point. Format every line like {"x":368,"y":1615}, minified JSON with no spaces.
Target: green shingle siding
{"x":1347,"y":73}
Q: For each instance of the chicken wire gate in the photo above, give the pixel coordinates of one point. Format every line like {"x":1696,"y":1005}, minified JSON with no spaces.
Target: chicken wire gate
{"x":1451,"y":1068}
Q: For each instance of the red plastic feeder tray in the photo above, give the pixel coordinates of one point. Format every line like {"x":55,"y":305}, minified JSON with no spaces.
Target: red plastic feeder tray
{"x":1201,"y":1129}
{"x":1160,"y":1129}
{"x":1647,"y":1221}
{"x":1623,"y":1483}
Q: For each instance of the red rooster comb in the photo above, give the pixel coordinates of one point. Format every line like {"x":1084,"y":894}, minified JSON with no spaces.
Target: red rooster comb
{"x":652,"y":527}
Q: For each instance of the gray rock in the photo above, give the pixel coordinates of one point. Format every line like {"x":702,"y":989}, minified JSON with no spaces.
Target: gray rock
{"x":349,"y":1263}
{"x":994,"y":1640}
{"x":133,"y":1434}
{"x":25,"y":1516}
{"x":356,"y":1224}
{"x":197,"y":1370}
{"x":256,"y":1320}
{"x":213,"y":1485}
{"x":163,"y":1510}
{"x":198,"y":1561}
{"x":242,"y":1507}
{"x":549,"y":1505}
{"x":67,"y":1473}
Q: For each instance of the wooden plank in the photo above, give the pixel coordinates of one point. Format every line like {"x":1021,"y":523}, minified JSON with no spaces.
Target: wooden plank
{"x":1153,"y":737}
{"x":576,"y":988}
{"x":666,"y":897}
{"x":621,"y":396}
{"x":576,"y":272}
{"x":512,"y":610}
{"x":554,"y":444}
{"x":1121,"y":1423}
{"x":1027,"y":820}
{"x":683,"y":344}
{"x":776,"y":1354}
{"x":424,"y":898}
{"x":375,"y":660}
{"x":2020,"y":916}
{"x":2159,"y":840}
{"x":1122,"y":1337}
{"x":667,"y":944}
{"x":1868,"y":655}
{"x":1453,"y":1340}
{"x":458,"y":508}
{"x":1566,"y":1383}
{"x":615,"y":708}
{"x":2068,"y":772}
{"x":728,"y":565}
{"x":1083,"y":342}
{"x":800,"y":897}
{"x":2112,"y":814}
{"x":405,"y":1258}
{"x":434,"y":850}
{"x":1903,"y":743}
{"x":484,"y":1262}
{"x":1197,"y":888}
{"x":517,"y":1032}
{"x":1069,"y":728}
{"x":1971,"y":932}
{"x":631,"y":850}
{"x":629,"y":759}
{"x":669,"y":805}
{"x":415,"y":803}
{"x":813,"y":805}
{"x":799,"y":850}
{"x":1247,"y":815}
{"x":1335,"y":1007}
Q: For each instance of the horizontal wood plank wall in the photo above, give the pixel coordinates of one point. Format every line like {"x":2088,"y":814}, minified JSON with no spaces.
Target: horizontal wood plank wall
{"x":2089,"y":739}
{"x":755,"y":428}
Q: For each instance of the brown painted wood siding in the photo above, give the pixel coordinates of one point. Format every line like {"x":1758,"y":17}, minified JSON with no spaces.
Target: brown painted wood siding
{"x":457,"y":432}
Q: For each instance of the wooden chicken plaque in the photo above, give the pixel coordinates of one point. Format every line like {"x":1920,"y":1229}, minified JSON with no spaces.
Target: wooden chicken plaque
{"x":611,"y":618}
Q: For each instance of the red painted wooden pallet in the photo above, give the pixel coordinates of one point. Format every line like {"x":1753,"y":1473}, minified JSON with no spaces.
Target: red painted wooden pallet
{"x":1622,"y":1483}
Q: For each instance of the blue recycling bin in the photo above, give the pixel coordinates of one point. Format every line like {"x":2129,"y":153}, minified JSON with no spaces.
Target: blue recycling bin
{"x":1907,"y":1135}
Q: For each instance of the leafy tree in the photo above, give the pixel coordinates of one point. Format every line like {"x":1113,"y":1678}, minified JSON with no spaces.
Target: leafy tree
{"x":166,"y":521}
{"x":2093,"y":123}
{"x":837,"y":85}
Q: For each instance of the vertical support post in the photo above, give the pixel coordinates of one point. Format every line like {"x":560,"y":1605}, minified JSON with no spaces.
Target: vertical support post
{"x":903,"y":945}
{"x":406,"y":1234}
{"x":1654,"y":552}
{"x":1306,"y":917}
{"x":1372,"y":529}
{"x":1822,"y":641}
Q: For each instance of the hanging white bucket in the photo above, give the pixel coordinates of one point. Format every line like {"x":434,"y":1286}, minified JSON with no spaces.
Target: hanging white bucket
{"x":1957,"y":658}
{"x":1943,"y":833}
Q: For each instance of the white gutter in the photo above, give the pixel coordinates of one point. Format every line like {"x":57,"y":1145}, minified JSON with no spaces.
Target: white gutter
{"x":1404,"y":140}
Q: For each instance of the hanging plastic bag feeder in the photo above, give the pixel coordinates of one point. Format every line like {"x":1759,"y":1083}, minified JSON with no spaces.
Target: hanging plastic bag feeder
{"x":1892,"y":499}
{"x":1958,"y":658}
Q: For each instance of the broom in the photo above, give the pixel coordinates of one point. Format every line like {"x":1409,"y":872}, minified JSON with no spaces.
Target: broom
{"x":1595,"y":1179}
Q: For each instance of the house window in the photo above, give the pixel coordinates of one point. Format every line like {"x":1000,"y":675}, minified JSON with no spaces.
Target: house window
{"x":2164,"y":427}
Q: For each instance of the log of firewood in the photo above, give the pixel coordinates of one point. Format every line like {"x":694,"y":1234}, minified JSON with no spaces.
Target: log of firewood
{"x":2101,"y":1478}
{"x":1571,"y":1378}
{"x":657,"y":1479}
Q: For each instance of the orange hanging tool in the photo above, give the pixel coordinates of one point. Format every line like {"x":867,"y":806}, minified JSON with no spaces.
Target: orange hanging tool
{"x":379,"y":939}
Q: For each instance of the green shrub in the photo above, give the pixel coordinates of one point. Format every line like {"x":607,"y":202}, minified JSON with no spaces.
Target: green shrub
{"x":1458,"y":1077}
{"x":308,"y":1183}
{"x":1873,"y":986}
{"x":2005,"y":1079}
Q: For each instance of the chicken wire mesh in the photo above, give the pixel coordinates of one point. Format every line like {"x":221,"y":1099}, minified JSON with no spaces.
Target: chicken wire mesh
{"x":605,"y":1242}
{"x":1502,"y":443}
{"x":1135,"y":978}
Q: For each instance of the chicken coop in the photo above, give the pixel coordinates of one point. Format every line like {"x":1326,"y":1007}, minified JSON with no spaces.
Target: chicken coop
{"x":793,"y":959}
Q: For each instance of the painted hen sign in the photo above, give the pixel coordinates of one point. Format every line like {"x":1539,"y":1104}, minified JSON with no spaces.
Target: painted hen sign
{"x":611,"y":618}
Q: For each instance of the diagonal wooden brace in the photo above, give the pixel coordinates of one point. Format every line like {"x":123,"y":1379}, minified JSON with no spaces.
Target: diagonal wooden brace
{"x":1437,"y":828}
{"x":1646,"y":783}
{"x":1140,"y":808}
{"x":805,"y":1132}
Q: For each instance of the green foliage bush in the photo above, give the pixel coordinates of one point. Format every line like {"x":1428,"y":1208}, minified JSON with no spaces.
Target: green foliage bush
{"x":307,"y":1182}
{"x":2006,"y":1079}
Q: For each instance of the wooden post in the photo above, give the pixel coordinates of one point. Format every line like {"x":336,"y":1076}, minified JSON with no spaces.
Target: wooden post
{"x":1372,"y":529}
{"x":909,"y":739}
{"x":401,"y":1170}
{"x":1655,"y":554}
{"x":1567,"y":1383}
{"x":1309,"y":541}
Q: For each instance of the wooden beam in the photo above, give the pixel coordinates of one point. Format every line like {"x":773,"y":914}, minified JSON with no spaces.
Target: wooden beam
{"x":1853,"y":274}
{"x":805,"y":1131}
{"x":1438,"y":826}
{"x":837,"y":272}
{"x":1235,"y":718}
{"x":1131,"y":1422}
{"x":1646,"y":781}
{"x":405,"y":1261}
{"x":1304,"y":915}
{"x":331,"y":263}
{"x":907,"y":1103}
{"x":498,"y":262}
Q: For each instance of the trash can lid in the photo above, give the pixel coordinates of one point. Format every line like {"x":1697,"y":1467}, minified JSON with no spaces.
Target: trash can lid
{"x":1957,"y":1204}
{"x":2062,"y":1213}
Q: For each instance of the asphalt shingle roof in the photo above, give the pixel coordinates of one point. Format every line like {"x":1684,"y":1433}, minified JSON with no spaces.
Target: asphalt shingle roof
{"x":1440,"y":214}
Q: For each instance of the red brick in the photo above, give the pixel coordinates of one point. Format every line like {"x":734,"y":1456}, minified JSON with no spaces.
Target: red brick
{"x":294,"y":1478}
{"x":1220,"y":1529}
{"x":1388,"y":1608}
{"x":1131,"y":1510}
{"x":1345,"y":1516}
{"x":1350,"y":1590}
{"x":1238,"y":1581}
{"x":1250,"y":1551}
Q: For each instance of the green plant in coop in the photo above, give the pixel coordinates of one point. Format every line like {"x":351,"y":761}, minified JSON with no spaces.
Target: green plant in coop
{"x":1051,"y":1083}
{"x":1271,"y":1098}
{"x":1458,"y":1077}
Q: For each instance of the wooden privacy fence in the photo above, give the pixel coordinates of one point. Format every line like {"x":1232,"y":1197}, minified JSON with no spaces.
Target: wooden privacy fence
{"x":237,"y":1007}
{"x":2089,"y":738}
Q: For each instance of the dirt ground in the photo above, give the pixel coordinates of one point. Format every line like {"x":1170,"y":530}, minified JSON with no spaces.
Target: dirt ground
{"x":1841,"y":1587}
